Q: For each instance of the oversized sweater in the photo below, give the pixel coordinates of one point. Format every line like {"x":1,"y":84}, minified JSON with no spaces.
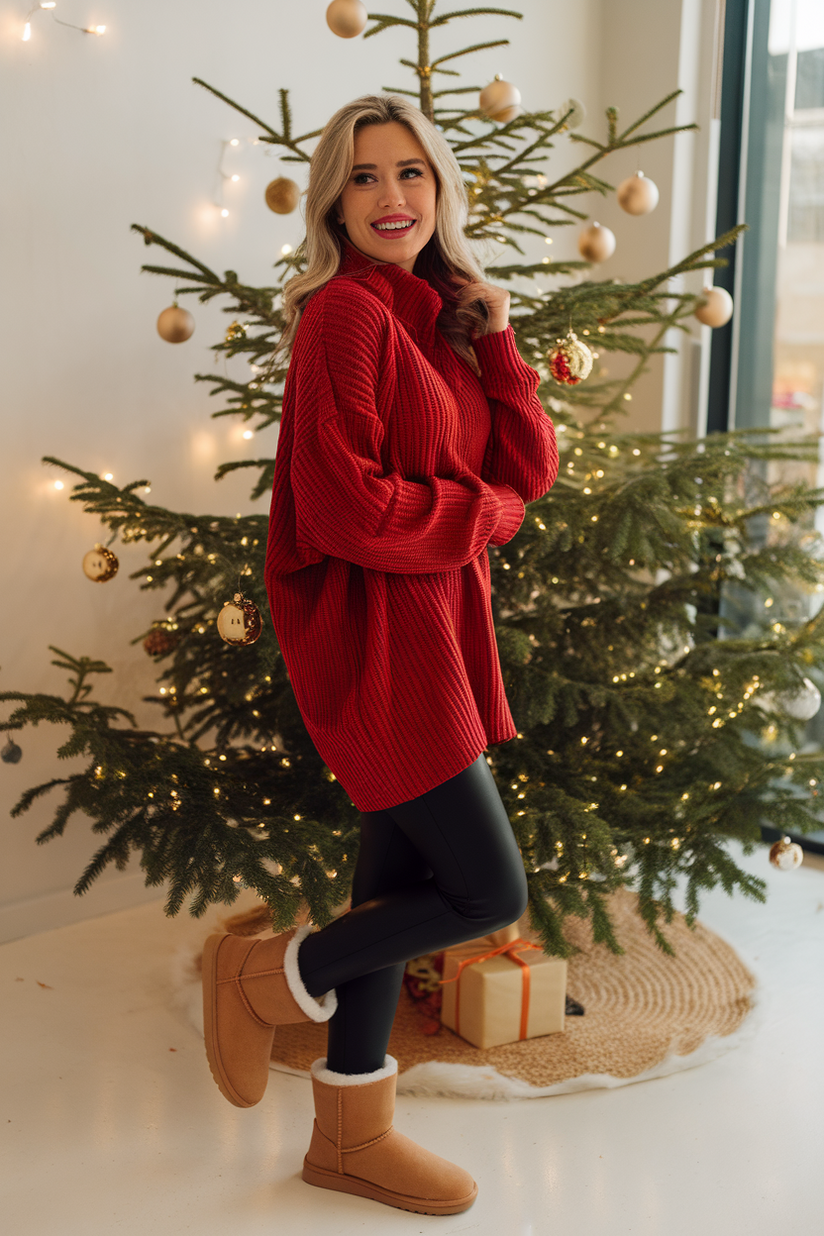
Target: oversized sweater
{"x":395,"y":468}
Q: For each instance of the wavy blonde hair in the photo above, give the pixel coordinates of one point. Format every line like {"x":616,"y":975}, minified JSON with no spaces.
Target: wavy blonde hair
{"x":446,"y":261}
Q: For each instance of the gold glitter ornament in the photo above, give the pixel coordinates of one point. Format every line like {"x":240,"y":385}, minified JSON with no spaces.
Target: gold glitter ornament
{"x":786,"y":855}
{"x":570,"y":361}
{"x":239,"y":622}
{"x":282,"y":195}
{"x":100,"y":564}
{"x":235,"y":330}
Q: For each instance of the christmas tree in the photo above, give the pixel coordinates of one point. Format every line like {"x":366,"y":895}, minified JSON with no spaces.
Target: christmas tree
{"x":651,"y":728}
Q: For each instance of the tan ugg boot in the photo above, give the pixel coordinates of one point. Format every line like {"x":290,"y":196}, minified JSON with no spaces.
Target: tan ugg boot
{"x":354,"y":1148}
{"x":249,"y":988}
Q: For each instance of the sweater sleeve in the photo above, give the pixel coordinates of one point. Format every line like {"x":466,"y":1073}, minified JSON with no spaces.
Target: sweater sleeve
{"x":522,"y":450}
{"x":347,"y":504}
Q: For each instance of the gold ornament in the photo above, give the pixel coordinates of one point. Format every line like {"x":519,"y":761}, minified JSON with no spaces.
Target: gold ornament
{"x":235,"y":330}
{"x":718,"y":309}
{"x":570,"y":361}
{"x":500,"y":100}
{"x":596,"y":243}
{"x":637,"y":195}
{"x":786,"y":855}
{"x":346,"y":18}
{"x":239,"y":623}
{"x":100,"y":564}
{"x":282,"y":195}
{"x":175,"y":325}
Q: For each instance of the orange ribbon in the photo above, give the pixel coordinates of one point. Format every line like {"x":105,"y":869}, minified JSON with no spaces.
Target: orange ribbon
{"x":510,"y":950}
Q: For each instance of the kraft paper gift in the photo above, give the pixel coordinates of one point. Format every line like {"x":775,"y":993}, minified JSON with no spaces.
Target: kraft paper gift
{"x":494,"y":995}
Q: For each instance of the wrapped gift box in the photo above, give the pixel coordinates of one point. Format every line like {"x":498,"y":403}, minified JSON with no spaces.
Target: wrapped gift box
{"x":498,"y":1000}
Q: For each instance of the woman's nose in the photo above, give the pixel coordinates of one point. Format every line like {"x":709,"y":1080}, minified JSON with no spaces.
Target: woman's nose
{"x":392,"y":196}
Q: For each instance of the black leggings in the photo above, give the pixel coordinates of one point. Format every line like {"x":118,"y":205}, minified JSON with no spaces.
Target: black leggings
{"x":432,"y":872}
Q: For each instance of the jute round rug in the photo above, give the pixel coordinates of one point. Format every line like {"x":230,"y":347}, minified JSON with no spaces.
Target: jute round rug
{"x":646,"y":1015}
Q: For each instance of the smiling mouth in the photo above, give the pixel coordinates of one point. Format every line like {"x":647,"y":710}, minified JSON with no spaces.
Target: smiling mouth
{"x":394,"y":230}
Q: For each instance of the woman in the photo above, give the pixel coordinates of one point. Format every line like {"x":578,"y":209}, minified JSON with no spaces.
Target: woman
{"x":410,"y":439}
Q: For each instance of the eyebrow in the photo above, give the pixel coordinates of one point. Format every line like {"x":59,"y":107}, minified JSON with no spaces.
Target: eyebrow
{"x":373,"y":167}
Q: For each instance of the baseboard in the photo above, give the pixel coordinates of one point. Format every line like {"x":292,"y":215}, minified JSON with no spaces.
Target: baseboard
{"x":44,"y":913}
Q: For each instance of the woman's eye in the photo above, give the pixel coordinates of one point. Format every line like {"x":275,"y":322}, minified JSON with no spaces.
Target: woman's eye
{"x":414,"y":170}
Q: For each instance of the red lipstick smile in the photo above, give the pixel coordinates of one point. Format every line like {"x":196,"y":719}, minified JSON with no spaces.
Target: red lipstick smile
{"x":389,"y":233}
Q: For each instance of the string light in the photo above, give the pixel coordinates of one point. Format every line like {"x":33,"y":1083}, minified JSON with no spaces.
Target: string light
{"x":50,"y":5}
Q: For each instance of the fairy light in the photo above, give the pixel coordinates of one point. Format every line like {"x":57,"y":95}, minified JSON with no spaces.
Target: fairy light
{"x":58,"y":484}
{"x":247,"y":433}
{"x":49,"y":6}
{"x":285,"y":250}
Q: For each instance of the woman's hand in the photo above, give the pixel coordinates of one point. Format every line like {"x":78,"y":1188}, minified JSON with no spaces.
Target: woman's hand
{"x":497,"y":302}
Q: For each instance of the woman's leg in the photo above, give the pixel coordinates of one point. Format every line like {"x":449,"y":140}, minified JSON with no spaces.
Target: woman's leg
{"x":360,"y":1028}
{"x":462,"y":833}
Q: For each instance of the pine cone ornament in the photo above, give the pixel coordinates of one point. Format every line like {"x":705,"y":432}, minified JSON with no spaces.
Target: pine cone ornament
{"x":159,"y":641}
{"x":570,"y":361}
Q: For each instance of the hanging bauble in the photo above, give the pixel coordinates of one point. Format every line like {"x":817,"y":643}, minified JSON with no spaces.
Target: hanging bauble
{"x":637,"y":195}
{"x":570,"y":361}
{"x":175,"y":325}
{"x":159,"y":641}
{"x":786,"y":854}
{"x":596,"y":243}
{"x":100,"y":564}
{"x":500,"y":100}
{"x":577,"y":116}
{"x":235,"y":330}
{"x":346,"y":18}
{"x":239,"y":621}
{"x":800,"y":705}
{"x":718,"y":309}
{"x":282,"y":195}
{"x":11,"y":753}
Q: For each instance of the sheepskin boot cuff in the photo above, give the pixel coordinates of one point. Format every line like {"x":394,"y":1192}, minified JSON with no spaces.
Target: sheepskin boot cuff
{"x":320,"y":1009}
{"x":355,"y":1149}
{"x":320,"y":1071}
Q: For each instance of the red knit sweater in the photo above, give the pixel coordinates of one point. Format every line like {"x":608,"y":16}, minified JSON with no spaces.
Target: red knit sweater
{"x":395,"y":468}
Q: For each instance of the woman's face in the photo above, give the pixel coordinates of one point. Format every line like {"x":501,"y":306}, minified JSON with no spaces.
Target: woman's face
{"x":391,"y":181}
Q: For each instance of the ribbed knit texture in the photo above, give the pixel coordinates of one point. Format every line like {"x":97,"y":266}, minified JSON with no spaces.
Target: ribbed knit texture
{"x":395,"y":468}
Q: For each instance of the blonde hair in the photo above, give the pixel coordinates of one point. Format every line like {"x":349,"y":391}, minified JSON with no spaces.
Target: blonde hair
{"x":446,"y":261}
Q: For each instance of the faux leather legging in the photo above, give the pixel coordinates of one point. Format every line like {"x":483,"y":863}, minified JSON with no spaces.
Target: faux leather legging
{"x":432,"y":872}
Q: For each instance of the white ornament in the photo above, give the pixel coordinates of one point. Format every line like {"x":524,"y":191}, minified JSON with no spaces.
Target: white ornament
{"x":718,"y":309}
{"x":801,"y":706}
{"x":637,"y":195}
{"x":786,"y":855}
{"x":578,"y":113}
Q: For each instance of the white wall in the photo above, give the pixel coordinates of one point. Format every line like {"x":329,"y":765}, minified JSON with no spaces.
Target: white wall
{"x":100,"y":133}
{"x":650,"y":49}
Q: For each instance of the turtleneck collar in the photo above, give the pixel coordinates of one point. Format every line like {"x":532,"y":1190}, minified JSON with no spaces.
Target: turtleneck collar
{"x":407,"y":296}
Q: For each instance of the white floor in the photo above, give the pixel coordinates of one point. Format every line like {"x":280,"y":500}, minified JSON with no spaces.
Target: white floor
{"x":112,"y":1124}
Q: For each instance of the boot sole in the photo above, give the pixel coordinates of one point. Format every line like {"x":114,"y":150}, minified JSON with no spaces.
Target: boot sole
{"x":324,"y":1179}
{"x":225,"y":1087}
